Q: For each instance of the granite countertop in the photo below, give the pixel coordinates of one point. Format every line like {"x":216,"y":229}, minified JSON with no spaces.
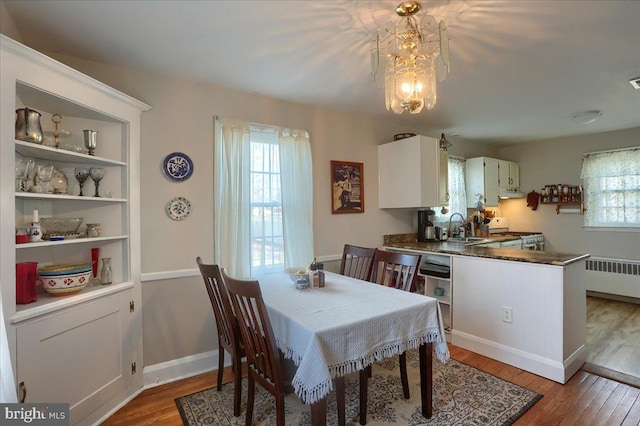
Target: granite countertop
{"x":408,"y":241}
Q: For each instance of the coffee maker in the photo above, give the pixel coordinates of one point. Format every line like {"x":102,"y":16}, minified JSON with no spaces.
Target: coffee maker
{"x":426,"y":230}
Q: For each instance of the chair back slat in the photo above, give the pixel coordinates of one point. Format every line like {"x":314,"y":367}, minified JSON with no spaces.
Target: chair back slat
{"x":253,"y":319}
{"x":397,"y":270}
{"x":357,"y":262}
{"x":226,"y":321}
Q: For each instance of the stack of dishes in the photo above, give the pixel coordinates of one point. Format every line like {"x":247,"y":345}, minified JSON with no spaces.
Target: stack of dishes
{"x":65,"y":279}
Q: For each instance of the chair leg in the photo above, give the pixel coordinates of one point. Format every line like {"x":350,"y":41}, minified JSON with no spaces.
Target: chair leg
{"x":280,"y":410}
{"x":364,"y":377}
{"x":220,"y":366}
{"x":251,"y":388}
{"x":237,"y":384}
{"x":340,"y":400}
{"x":403,"y":374}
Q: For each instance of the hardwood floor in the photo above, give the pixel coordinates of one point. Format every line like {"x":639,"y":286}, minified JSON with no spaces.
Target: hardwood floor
{"x":586,"y":399}
{"x":613,"y":335}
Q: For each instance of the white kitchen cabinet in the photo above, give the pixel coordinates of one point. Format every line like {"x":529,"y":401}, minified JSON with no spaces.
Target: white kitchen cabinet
{"x":412,"y":173}
{"x":481,"y":181}
{"x":509,"y":175}
{"x":489,"y":179}
{"x":87,"y":328}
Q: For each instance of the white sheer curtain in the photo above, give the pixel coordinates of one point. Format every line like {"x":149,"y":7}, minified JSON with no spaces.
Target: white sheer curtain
{"x":232,"y":201}
{"x":457,"y":191}
{"x":612,"y":188}
{"x":233,"y":237}
{"x":297,"y":196}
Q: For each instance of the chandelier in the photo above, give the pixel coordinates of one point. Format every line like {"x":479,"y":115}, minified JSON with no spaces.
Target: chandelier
{"x":411,"y":55}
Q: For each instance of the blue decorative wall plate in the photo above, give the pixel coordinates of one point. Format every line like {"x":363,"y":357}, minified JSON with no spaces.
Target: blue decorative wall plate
{"x":178,"y":166}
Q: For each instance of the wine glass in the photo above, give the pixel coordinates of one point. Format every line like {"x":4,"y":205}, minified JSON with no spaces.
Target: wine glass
{"x":82,"y":174}
{"x":96,"y":173}
{"x":45,"y":174}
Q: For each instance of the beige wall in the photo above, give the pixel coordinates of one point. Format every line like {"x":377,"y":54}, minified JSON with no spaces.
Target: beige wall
{"x":176,"y":313}
{"x":560,"y":161}
{"x":181,"y":119}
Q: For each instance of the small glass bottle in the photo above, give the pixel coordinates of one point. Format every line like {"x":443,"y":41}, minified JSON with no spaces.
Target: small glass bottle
{"x":314,"y":279}
{"x":106,"y":275}
{"x":320,"y":275}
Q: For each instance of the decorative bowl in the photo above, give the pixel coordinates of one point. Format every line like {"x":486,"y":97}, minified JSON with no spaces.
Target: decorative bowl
{"x":60,"y":225}
{"x":297,"y":272}
{"x":65,"y":279}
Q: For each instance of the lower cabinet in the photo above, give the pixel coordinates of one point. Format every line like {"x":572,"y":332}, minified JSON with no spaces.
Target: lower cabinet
{"x":82,"y":355}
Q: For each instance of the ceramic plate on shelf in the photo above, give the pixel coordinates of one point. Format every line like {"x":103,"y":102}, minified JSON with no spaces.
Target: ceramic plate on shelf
{"x":177,"y":166}
{"x":179,"y":208}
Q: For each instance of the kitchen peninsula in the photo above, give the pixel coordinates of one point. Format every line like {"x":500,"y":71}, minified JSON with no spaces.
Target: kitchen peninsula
{"x":524,"y":308}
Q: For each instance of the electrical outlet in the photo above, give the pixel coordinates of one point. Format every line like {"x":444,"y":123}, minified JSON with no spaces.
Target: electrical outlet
{"x":507,"y":314}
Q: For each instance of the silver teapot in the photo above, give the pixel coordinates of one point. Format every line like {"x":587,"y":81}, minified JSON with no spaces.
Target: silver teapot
{"x":28,"y":126}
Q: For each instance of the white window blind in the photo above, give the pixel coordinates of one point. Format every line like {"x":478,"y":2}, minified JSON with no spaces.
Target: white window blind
{"x":611,"y":183}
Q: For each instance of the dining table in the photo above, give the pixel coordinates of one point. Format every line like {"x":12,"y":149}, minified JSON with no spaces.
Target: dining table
{"x":346,"y":326}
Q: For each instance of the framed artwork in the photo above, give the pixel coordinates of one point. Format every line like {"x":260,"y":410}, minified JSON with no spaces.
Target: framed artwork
{"x":347,"y":187}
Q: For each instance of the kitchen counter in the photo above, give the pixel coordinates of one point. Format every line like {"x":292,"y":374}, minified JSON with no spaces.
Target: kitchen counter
{"x":471,"y":248}
{"x":521,"y":307}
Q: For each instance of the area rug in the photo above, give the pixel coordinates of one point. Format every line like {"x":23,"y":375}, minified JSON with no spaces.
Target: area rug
{"x":462,"y":395}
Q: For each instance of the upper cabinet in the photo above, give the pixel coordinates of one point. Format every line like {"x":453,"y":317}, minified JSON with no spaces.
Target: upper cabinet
{"x":101,"y":325}
{"x":481,"y":181}
{"x":412,"y":173}
{"x":489,"y":180}
{"x":509,"y":175}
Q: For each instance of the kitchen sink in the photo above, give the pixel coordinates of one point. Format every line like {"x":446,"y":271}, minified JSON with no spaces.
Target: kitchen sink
{"x":466,"y":239}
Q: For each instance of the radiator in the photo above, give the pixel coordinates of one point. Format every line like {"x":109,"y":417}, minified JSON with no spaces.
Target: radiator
{"x":613,"y":276}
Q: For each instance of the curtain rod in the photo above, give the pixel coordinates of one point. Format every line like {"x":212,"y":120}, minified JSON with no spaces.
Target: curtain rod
{"x":631,"y":148}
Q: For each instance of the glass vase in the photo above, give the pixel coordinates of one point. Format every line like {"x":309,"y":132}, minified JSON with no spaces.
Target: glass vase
{"x":106,"y":275}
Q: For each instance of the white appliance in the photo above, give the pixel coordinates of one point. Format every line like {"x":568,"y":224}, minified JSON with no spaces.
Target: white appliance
{"x":528,"y":240}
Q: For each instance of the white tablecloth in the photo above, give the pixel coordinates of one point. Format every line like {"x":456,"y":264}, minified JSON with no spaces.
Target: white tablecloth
{"x":347,"y":325}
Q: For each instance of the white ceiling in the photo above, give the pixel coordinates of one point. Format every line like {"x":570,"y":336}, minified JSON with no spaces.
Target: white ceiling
{"x":519,"y":68}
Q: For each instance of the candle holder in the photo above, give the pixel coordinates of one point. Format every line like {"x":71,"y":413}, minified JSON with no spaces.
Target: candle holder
{"x":90,"y":140}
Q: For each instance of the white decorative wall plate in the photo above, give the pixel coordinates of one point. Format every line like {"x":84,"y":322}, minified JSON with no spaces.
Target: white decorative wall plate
{"x":179,"y":208}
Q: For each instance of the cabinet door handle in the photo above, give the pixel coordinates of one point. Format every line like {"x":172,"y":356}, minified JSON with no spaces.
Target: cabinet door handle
{"x":448,"y":196}
{"x":23,"y":391}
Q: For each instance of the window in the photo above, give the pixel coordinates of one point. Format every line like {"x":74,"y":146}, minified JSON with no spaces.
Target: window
{"x":457,"y":191}
{"x":267,"y":240}
{"x":263,"y":198}
{"x":612,"y":188}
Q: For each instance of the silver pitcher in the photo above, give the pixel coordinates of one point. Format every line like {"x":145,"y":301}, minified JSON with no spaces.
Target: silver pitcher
{"x":28,"y":126}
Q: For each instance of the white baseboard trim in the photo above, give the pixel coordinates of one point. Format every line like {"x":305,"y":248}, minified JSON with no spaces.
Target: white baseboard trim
{"x":558,"y":371}
{"x":181,"y":368}
{"x":114,"y":409}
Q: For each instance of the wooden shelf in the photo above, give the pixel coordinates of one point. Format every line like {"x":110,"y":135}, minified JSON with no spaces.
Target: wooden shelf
{"x":569,"y":204}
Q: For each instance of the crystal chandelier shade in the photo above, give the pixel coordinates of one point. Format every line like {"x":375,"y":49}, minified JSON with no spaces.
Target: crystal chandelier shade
{"x":411,"y":55}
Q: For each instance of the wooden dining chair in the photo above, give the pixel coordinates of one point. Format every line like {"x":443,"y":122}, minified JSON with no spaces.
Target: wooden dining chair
{"x":229,"y":337}
{"x":357,"y":262}
{"x":266,"y":364}
{"x":396,"y":270}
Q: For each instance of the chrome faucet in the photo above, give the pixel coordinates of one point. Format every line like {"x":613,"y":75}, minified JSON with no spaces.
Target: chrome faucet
{"x":464,"y":221}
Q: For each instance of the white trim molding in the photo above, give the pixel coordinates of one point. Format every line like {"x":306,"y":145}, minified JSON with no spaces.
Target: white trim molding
{"x":180,"y":368}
